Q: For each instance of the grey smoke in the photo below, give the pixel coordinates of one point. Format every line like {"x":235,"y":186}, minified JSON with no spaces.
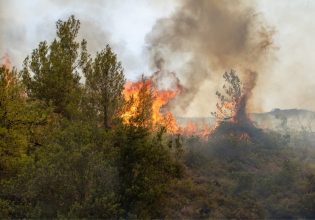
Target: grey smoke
{"x":204,"y":38}
{"x":21,"y":31}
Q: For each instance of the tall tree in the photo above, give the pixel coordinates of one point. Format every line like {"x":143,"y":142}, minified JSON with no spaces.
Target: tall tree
{"x":144,"y":105}
{"x":13,"y":140}
{"x":229,"y":100}
{"x":19,"y":118}
{"x":105,"y":83}
{"x":51,"y":73}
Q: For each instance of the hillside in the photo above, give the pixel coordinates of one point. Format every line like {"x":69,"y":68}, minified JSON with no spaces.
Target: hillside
{"x":277,"y":119}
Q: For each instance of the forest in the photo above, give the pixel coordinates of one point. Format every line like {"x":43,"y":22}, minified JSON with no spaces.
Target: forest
{"x":72,"y":146}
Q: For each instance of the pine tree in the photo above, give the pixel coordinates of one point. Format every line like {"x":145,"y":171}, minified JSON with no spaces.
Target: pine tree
{"x":105,"y":83}
{"x":51,"y":74}
{"x":13,"y":141}
{"x":19,"y":117}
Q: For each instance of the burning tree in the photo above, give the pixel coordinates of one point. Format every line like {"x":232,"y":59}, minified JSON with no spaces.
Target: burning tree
{"x":229,"y":100}
{"x":139,"y":100}
{"x":231,"y":114}
{"x":145,"y":104}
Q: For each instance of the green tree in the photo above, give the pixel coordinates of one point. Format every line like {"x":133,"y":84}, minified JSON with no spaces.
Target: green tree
{"x":20,"y":124}
{"x":73,"y":175}
{"x":19,"y":117}
{"x":105,"y":83}
{"x":51,"y":74}
{"x":13,"y":140}
{"x":146,"y":165}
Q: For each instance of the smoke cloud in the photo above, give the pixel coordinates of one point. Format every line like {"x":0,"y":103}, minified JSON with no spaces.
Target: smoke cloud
{"x":122,"y":24}
{"x":204,"y":38}
{"x":198,"y":40}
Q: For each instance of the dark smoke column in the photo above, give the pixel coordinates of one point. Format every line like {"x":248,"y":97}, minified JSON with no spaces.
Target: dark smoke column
{"x":206,"y":38}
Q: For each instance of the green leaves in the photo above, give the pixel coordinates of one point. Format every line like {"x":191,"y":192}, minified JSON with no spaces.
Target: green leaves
{"x":146,"y":168}
{"x":51,"y":74}
{"x":105,"y":83}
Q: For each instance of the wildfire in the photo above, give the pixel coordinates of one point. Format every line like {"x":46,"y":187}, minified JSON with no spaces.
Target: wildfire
{"x":9,"y":79}
{"x":227,"y":111}
{"x":160,"y":98}
{"x":161,"y":116}
{"x":6,"y":62}
{"x":193,"y":129}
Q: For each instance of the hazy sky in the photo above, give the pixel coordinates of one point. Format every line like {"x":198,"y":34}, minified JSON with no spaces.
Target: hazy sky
{"x":289,"y":82}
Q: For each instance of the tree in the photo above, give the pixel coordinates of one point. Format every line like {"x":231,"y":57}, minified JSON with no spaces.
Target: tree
{"x":146,"y":170}
{"x":144,"y":105}
{"x":13,"y":140}
{"x":146,"y":165}
{"x":51,"y":74}
{"x":229,"y":100}
{"x":19,"y":117}
{"x":105,"y":83}
{"x":21,"y":121}
{"x":72,"y":176}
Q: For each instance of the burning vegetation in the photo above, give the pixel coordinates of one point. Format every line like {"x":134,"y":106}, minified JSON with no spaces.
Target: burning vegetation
{"x":98,"y":149}
{"x":231,"y":115}
{"x":144,"y":96}
{"x":6,"y":61}
{"x":8,"y":76}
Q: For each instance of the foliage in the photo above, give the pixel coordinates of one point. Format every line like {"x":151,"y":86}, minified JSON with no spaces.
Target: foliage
{"x":146,"y":170}
{"x":21,"y":122}
{"x":51,"y":74}
{"x":64,"y":154}
{"x":105,"y":83}
{"x":230,"y":98}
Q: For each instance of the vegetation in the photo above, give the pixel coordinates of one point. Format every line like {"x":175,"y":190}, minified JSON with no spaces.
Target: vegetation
{"x":64,"y":153}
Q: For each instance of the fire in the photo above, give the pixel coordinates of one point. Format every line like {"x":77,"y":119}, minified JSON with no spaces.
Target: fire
{"x":190,"y":129}
{"x":160,"y":98}
{"x":9,"y":78}
{"x":6,"y":62}
{"x":227,"y":112}
{"x":231,"y":114}
{"x":161,"y":116}
{"x":193,"y":129}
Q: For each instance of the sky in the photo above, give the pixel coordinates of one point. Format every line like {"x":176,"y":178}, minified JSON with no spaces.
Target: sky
{"x":125,"y":24}
{"x":122,"y":24}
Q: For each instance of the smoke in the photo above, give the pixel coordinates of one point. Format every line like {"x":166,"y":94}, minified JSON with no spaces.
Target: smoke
{"x":204,"y":38}
{"x":20,"y":31}
{"x":25,"y":23}
{"x":122,"y":24}
{"x":241,"y":110}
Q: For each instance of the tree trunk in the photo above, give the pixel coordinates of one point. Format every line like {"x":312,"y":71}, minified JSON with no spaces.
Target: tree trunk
{"x":106,"y":118}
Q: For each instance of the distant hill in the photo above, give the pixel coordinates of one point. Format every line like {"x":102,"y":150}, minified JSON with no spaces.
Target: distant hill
{"x":292,"y":119}
{"x":277,"y":119}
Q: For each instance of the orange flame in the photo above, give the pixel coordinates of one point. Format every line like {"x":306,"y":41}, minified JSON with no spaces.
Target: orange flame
{"x":193,"y":129}
{"x":228,"y":111}
{"x":9,"y":78}
{"x":6,"y":61}
{"x":161,"y":116}
{"x":160,"y":99}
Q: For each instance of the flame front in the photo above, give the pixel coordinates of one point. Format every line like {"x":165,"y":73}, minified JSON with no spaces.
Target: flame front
{"x":9,"y":78}
{"x":6,"y":61}
{"x":160,"y":98}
